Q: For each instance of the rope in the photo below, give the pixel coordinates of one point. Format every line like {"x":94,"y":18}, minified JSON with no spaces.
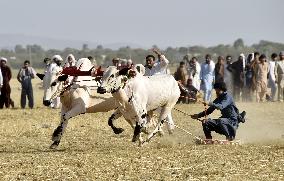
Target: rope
{"x":196,"y":137}
{"x":186,"y":113}
{"x":182,"y":112}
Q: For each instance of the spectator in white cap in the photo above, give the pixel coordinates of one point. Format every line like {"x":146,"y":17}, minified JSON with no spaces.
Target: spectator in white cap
{"x":69,"y":62}
{"x":55,"y":68}
{"x":57,"y":59}
{"x":5,"y":89}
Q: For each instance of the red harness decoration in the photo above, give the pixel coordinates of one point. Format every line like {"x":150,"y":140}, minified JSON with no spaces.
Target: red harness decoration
{"x":74,"y":71}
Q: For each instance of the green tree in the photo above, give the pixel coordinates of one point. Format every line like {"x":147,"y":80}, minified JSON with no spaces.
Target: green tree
{"x":239,"y":43}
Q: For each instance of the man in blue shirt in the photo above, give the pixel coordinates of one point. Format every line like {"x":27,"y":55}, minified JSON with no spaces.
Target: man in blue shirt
{"x":228,"y":123}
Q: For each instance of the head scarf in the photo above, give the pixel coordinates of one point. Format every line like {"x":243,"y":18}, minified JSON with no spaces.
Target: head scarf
{"x":4,"y":59}
{"x":73,"y":61}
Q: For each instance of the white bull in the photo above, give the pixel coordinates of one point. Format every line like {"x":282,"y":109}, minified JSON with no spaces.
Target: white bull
{"x":140,"y":95}
{"x":78,"y":98}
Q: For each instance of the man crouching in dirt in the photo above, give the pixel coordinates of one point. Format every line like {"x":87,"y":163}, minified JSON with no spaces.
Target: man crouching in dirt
{"x":228,"y":123}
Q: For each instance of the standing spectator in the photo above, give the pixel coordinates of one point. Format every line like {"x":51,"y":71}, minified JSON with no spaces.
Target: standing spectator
{"x":47,"y":62}
{"x":115,"y":62}
{"x":194,"y":72}
{"x":207,"y":77}
{"x":25,"y":76}
{"x":271,"y":76}
{"x":261,"y":71}
{"x":219,"y":70}
{"x":180,"y":76}
{"x":248,"y":88}
{"x":237,"y":67}
{"x":129,"y":63}
{"x":123,"y":63}
{"x":253,"y":66}
{"x":279,"y":73}
{"x":70,"y":61}
{"x":228,"y":74}
{"x":1,"y":81}
{"x":55,"y":68}
{"x":5,"y":89}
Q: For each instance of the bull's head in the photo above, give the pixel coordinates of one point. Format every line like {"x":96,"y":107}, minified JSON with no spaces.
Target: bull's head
{"x":112,"y":80}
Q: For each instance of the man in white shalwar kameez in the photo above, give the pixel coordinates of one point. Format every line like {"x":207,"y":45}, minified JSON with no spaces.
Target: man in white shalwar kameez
{"x":271,"y":77}
{"x":207,"y":77}
{"x":194,"y":72}
{"x":55,"y":68}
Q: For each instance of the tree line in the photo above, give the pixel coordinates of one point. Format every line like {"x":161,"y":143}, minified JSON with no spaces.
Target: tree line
{"x":36,"y":54}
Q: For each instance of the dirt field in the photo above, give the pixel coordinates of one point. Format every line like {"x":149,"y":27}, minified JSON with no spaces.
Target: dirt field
{"x":90,"y":151}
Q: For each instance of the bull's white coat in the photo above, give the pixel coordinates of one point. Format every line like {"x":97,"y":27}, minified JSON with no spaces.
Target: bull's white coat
{"x":142,"y":94}
{"x":79,"y":98}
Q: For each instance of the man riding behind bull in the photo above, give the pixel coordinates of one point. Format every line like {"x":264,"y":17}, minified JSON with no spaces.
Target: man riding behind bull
{"x":228,"y":123}
{"x":153,"y":67}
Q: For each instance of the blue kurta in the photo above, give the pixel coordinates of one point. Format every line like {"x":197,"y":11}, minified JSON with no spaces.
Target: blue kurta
{"x":227,"y":123}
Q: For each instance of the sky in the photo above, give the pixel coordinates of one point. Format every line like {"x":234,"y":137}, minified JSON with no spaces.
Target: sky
{"x":146,"y":22}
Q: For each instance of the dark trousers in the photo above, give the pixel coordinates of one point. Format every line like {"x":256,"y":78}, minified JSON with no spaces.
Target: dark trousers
{"x":222,"y":126}
{"x":4,"y":100}
{"x":27,"y":92}
{"x":5,"y":96}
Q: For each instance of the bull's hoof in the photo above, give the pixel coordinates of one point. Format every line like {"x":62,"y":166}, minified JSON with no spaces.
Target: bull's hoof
{"x":137,"y":131}
{"x":54,"y":145}
{"x":118,"y":130}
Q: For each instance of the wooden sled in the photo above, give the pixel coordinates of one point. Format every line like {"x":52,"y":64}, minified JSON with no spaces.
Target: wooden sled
{"x":217,"y":142}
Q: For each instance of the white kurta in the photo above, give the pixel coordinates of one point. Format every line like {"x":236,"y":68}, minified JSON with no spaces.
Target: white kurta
{"x":271,"y":73}
{"x":195,"y":75}
{"x":55,"y":69}
{"x":207,"y":76}
{"x":158,"y":68}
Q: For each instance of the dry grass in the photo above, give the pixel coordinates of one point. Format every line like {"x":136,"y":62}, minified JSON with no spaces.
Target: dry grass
{"x":90,"y":151}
